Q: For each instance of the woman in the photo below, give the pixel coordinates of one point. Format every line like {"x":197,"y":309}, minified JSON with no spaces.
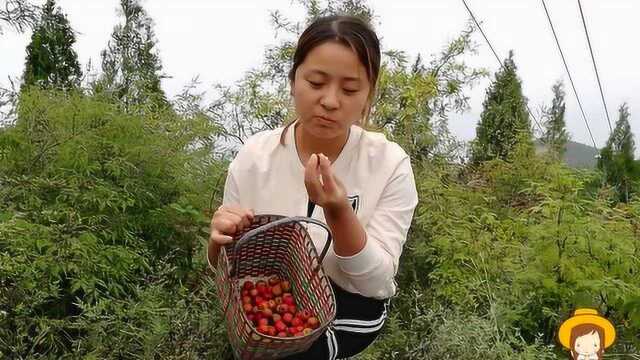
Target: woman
{"x":356,"y":181}
{"x":586,"y":334}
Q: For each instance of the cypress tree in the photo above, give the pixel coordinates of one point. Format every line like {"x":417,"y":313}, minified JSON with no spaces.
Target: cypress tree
{"x":617,"y":157}
{"x":555,"y":135}
{"x":51,"y":61}
{"x":131,"y":65}
{"x":504,"y":122}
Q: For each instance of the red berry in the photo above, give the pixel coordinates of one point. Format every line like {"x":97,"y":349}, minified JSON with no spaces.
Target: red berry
{"x":288,"y":300}
{"x":305,"y":314}
{"x":245,"y":293}
{"x":267,"y":313}
{"x":276,"y":290}
{"x":263,"y":321}
{"x":299,"y":328}
{"x":278,"y":300}
{"x":282,"y":309}
{"x":276,"y":317}
{"x":263,"y":329}
{"x":261,"y":286}
{"x":313,"y":322}
{"x":292,"y":309}
{"x":274,"y":280}
{"x":296,"y":322}
{"x":272,"y":304}
{"x":287,"y":318}
{"x":282,"y":334}
{"x":248,"y":308}
{"x":272,"y":331}
{"x":246,"y":299}
{"x":292,"y":330}
{"x":248,"y":285}
{"x":286,"y":286}
{"x":253,"y":292}
{"x":280,"y":326}
{"x":298,"y":334}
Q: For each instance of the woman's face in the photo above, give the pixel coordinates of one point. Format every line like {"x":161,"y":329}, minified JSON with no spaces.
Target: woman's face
{"x":330,"y":90}
{"x":588,"y":343}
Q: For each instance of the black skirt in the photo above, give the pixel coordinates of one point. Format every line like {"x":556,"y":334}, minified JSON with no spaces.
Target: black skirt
{"x":358,"y":322}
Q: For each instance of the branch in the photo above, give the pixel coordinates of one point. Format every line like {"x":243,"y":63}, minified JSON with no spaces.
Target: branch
{"x":19,"y":14}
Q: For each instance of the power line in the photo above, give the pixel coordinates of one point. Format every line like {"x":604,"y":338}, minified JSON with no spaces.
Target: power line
{"x":606,"y":111}
{"x":566,"y":67}
{"x":482,"y":32}
{"x":497,"y":57}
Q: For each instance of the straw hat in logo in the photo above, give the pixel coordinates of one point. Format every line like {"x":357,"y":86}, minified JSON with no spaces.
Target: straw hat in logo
{"x":586,"y":316}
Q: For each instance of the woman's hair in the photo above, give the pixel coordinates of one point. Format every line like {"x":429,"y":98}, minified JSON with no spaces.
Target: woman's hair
{"x":585,"y":329}
{"x":351,"y":32}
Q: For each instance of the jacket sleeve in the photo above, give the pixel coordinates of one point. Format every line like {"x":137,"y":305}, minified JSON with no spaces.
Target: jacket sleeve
{"x":231,"y":194}
{"x":373,"y":269}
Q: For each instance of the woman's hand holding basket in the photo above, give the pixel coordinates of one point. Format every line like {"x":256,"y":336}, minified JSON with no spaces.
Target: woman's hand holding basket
{"x":227,"y":221}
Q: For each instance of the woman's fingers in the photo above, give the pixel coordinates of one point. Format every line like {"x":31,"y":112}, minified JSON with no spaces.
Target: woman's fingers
{"x":227,"y":221}
{"x":242,"y":217}
{"x":311,"y":181}
{"x":245,"y":213}
{"x":219,"y":238}
{"x":325,"y":172}
{"x":227,"y":225}
{"x":334,"y":193}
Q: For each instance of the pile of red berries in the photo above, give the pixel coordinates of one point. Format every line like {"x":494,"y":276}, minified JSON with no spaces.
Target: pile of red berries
{"x":272,"y":309}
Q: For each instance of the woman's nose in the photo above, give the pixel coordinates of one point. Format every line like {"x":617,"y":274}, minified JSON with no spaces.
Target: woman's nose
{"x":330,"y":100}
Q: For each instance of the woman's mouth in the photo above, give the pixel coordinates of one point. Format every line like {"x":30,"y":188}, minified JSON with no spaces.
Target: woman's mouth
{"x":325,"y":120}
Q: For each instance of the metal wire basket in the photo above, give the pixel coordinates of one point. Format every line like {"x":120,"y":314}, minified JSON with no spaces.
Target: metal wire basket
{"x":274,"y":245}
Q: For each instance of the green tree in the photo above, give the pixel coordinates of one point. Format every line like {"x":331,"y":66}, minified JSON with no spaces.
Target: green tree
{"x":617,"y":157}
{"x":131,"y":66}
{"x":555,"y":135}
{"x":504,"y":122}
{"x":100,"y":237}
{"x":51,"y":60}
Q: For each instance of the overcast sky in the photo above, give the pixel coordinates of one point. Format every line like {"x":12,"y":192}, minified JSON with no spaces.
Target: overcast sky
{"x":219,"y":40}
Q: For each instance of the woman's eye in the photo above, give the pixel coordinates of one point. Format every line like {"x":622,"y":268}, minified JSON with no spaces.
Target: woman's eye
{"x":350,"y":91}
{"x":315,"y":84}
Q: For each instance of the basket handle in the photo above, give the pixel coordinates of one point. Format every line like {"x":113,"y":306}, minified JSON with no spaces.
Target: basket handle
{"x":279,"y":222}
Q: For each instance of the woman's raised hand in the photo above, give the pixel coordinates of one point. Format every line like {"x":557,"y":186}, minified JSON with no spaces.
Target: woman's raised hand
{"x":329,"y":193}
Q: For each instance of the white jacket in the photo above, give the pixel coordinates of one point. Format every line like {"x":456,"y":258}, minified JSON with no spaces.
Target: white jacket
{"x":379,"y":180}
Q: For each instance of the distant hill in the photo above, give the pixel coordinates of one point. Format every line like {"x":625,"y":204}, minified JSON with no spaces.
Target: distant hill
{"x":577,"y":155}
